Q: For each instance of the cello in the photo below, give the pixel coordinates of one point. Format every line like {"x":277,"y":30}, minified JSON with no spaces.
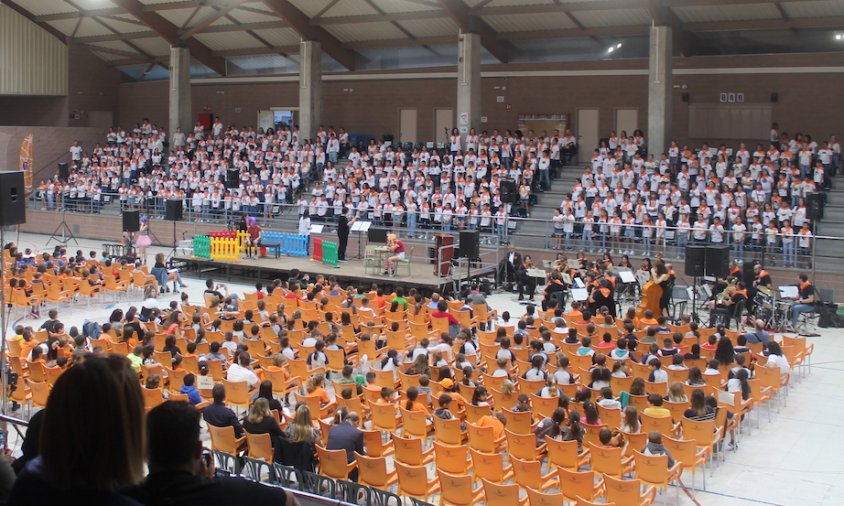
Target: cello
{"x":651,"y":293}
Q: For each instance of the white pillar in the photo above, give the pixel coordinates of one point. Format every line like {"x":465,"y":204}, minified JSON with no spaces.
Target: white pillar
{"x":659,"y":90}
{"x":468,"y":82}
{"x":180,"y":101}
{"x":310,"y":88}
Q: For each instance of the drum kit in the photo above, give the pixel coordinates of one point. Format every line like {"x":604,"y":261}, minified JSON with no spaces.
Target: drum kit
{"x":774,"y":312}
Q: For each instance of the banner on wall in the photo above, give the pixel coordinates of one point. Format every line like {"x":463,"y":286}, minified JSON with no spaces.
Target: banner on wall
{"x":26,"y":163}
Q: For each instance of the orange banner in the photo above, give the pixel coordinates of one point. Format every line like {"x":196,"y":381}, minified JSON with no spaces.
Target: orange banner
{"x":26,"y":163}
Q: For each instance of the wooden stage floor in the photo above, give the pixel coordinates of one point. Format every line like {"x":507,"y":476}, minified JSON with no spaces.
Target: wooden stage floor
{"x":267,"y":269}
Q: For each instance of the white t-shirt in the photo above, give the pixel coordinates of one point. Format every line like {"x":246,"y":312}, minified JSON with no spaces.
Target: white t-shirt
{"x":237,"y":372}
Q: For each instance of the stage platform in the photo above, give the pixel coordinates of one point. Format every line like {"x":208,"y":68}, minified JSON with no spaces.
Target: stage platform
{"x":352,"y":272}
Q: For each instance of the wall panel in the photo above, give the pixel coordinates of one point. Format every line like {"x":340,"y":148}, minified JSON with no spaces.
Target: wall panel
{"x":32,"y":61}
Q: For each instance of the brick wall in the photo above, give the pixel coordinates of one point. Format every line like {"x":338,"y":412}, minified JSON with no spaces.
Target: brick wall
{"x":372,"y":106}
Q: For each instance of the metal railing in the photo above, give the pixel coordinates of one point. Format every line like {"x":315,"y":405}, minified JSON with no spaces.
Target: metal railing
{"x":525,"y":232}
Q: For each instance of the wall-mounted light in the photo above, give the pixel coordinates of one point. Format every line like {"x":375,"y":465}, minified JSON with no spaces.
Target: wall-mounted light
{"x":839,"y":36}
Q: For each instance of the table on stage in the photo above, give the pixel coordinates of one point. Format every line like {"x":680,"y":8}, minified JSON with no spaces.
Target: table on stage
{"x":376,"y":256}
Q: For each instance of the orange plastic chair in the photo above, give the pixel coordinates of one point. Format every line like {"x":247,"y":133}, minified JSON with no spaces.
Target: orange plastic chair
{"x":537,"y":498}
{"x":702,"y":432}
{"x":374,"y":443}
{"x":372,"y":472}
{"x":152,"y":396}
{"x":609,"y":461}
{"x":628,"y":491}
{"x":452,"y":459}
{"x":520,"y":422}
{"x":611,"y":417}
{"x":474,"y":413}
{"x":383,"y":417}
{"x":457,"y":490}
{"x":448,"y":431}
{"x":413,"y":481}
{"x":332,"y":463}
{"x":237,"y":394}
{"x":653,"y":470}
{"x":490,"y":466}
{"x":663,"y":425}
{"x":524,"y":446}
{"x":414,"y":423}
{"x":497,"y":494}
{"x":259,"y":446}
{"x":575,"y":484}
{"x":409,"y":451}
{"x":223,"y":439}
{"x":565,"y":454}
{"x":483,"y":438}
{"x":687,"y":453}
{"x":40,"y":393}
{"x":528,"y":474}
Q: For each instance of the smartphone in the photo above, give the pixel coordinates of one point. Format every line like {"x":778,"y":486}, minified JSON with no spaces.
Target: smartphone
{"x":4,"y":439}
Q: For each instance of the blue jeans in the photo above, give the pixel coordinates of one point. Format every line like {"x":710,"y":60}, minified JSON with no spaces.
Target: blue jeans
{"x":411,"y":224}
{"x":797,"y":310}
{"x":501,"y":230}
{"x":789,"y":257}
{"x":332,"y":157}
{"x":545,"y":179}
{"x":682,"y":240}
{"x":587,"y":239}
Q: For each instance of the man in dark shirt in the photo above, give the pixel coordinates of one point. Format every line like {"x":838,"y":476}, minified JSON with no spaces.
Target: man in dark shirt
{"x":218,"y":415}
{"x":346,"y":436}
{"x":179,"y":472}
{"x":51,"y":322}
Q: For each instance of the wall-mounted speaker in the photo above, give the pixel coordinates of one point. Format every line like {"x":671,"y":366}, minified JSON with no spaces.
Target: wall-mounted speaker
{"x":775,"y":97}
{"x":64,"y":172}
{"x":685,"y":97}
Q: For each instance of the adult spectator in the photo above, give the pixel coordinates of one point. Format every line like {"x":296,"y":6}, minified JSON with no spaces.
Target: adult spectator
{"x":345,"y":435}
{"x":242,"y":370}
{"x":759,"y":334}
{"x":218,"y":415}
{"x":92,"y":439}
{"x":182,"y":472}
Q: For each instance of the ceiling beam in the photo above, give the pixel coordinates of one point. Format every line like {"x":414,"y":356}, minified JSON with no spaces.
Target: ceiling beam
{"x":419,"y":41}
{"x":255,"y":51}
{"x":28,"y":15}
{"x":506,"y":10}
{"x":718,"y":3}
{"x":375,"y":18}
{"x":263,"y":25}
{"x":830,"y":22}
{"x":108,"y":50}
{"x":468,"y":23}
{"x":169,"y":32}
{"x":306,"y":30}
{"x":573,"y":33}
{"x":209,"y":19}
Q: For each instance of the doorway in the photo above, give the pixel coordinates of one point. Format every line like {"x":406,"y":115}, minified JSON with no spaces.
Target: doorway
{"x":587,"y":133}
{"x":443,"y":123}
{"x":626,"y":120}
{"x":407,"y":125}
{"x":277,"y":117}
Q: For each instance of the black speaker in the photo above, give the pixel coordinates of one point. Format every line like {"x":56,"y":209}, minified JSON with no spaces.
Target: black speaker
{"x":12,"y":202}
{"x":814,"y":206}
{"x":173,"y":210}
{"x":64,"y":172}
{"x":131,"y":221}
{"x":507,"y":188}
{"x":233,"y":178}
{"x":470,"y":244}
{"x":775,"y":97}
{"x":377,"y":235}
{"x":695,"y":260}
{"x":717,"y":261}
{"x":685,"y":97}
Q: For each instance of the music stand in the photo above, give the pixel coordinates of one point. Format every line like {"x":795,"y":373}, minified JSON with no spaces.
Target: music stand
{"x":66,"y":233}
{"x":360,"y":227}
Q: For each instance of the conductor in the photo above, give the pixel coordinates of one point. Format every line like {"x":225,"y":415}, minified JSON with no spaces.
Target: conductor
{"x":343,"y":228}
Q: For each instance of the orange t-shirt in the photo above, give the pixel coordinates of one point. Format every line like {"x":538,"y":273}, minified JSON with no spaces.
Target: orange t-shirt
{"x":323,"y":395}
{"x":495,"y":423}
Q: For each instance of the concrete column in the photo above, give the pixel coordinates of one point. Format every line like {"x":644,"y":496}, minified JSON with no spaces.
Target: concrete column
{"x":180,"y":101}
{"x":310,"y":88}
{"x":659,"y":90}
{"x":468,"y":82}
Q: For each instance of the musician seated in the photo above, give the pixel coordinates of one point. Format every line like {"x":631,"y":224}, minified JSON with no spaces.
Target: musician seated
{"x":601,"y":295}
{"x":805,"y":300}
{"x":763,"y":278}
{"x":555,"y":286}
{"x":726,"y":302}
{"x":524,"y":279}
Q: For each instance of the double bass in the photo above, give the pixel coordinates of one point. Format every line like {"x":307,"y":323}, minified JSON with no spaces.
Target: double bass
{"x":651,"y":293}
